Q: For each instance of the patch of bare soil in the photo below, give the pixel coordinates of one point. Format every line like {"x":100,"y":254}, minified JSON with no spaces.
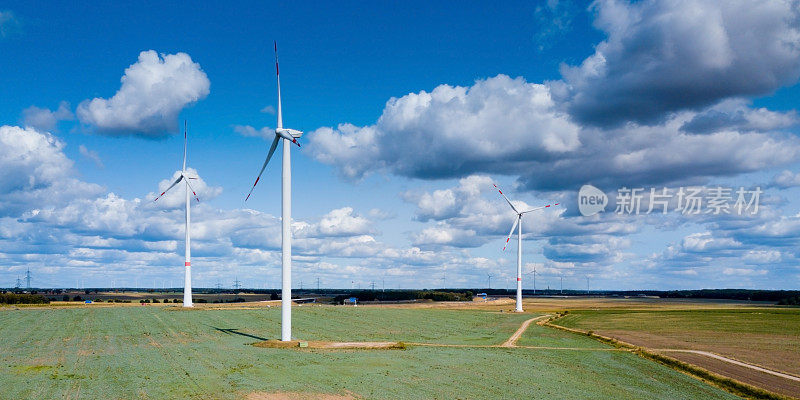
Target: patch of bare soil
{"x":314,"y":344}
{"x":299,"y":396}
{"x":356,"y":345}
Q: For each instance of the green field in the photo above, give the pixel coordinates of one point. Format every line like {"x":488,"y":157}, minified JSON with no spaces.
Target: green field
{"x":541,"y":336}
{"x":165,"y":353}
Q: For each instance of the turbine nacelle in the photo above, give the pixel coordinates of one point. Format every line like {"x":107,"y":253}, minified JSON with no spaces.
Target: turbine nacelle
{"x":289,"y":134}
{"x":520,"y":214}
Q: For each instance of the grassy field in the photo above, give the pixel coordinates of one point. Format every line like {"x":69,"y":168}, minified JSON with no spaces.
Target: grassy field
{"x":765,"y":336}
{"x":163,"y":353}
{"x":541,"y":336}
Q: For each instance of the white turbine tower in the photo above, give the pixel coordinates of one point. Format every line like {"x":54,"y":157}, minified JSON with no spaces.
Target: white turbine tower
{"x":518,"y":225}
{"x":187,"y":285}
{"x":289,"y":136}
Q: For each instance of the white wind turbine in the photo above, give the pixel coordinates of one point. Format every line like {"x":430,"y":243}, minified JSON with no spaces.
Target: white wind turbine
{"x":289,"y":136}
{"x":518,"y":225}
{"x":187,"y":285}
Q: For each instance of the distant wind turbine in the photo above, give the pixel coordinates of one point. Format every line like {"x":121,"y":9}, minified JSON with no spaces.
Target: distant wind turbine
{"x":187,"y":285}
{"x":288,"y":136}
{"x":518,"y":224}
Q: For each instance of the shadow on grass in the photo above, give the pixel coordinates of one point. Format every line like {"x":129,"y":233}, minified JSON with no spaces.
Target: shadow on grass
{"x":235,"y":331}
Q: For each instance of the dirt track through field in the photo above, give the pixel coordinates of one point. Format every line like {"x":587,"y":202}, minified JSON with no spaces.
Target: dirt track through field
{"x":736,"y":362}
{"x":742,"y":373}
{"x":513,"y":339}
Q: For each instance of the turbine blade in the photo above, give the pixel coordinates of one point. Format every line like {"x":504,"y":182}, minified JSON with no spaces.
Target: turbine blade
{"x":184,"y":146}
{"x":539,"y":208}
{"x":192,"y":189}
{"x":507,"y":200}
{"x":170,"y":187}
{"x":516,"y":221}
{"x":269,"y":155}
{"x":278,"y":78}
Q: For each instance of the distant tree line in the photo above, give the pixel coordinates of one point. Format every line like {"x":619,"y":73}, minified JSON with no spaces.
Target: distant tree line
{"x":790,"y":301}
{"x":734,"y":294}
{"x":400,"y":295}
{"x":22,"y":298}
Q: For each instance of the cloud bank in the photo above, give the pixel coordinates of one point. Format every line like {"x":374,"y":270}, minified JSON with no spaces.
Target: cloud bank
{"x":666,"y":56}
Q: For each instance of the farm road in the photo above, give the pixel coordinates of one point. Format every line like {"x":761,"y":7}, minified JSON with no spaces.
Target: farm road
{"x":732,"y":361}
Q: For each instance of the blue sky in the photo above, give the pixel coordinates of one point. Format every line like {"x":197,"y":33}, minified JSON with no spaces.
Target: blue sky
{"x":411,"y":112}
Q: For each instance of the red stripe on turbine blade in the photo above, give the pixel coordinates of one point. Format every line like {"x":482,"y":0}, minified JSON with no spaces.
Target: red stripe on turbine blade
{"x":247,"y":198}
{"x":277,"y":71}
{"x":187,"y":264}
{"x":519,"y":279}
{"x":547,"y":206}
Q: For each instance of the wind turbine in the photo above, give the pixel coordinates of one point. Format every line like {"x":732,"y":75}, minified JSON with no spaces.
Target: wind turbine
{"x":518,"y":225}
{"x":187,"y":283}
{"x":288,"y":136}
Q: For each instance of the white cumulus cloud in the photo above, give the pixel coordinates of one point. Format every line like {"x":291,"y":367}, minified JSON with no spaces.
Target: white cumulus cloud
{"x":452,"y":131}
{"x":154,"y":91}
